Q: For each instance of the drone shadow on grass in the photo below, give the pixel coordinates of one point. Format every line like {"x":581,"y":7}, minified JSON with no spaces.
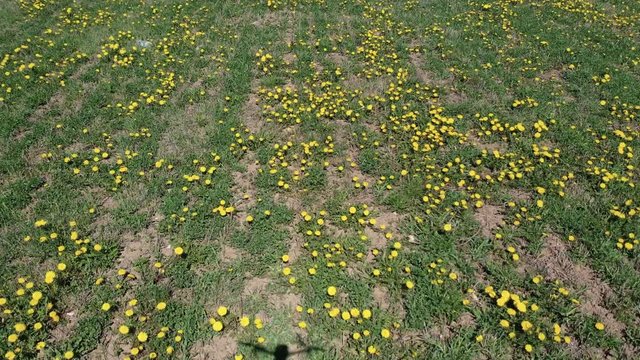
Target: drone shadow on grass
{"x":281,"y":351}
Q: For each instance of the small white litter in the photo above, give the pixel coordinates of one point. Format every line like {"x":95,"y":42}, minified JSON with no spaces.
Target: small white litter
{"x":143,"y":43}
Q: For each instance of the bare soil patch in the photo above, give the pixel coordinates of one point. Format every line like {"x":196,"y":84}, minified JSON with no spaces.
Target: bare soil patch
{"x":287,"y":301}
{"x":109,"y":346}
{"x":251,"y":111}
{"x":64,"y":331}
{"x":425,"y":76}
{"x":381,"y":297}
{"x":519,"y":194}
{"x":490,"y":218}
{"x":270,"y":18}
{"x":55,"y":101}
{"x":255,"y":285}
{"x":219,"y":348}
{"x":289,"y":58}
{"x":230,"y":254}
{"x":134,"y":247}
{"x":368,"y":87}
{"x":338,"y":58}
{"x":554,"y":260}
{"x":551,"y":74}
{"x":244,"y":188}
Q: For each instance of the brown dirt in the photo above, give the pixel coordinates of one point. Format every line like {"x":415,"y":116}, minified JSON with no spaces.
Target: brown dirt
{"x":20,"y":133}
{"x":335,"y":179}
{"x":134,"y":247}
{"x":289,"y":58}
{"x":251,"y":113}
{"x":32,"y":155}
{"x":490,"y":218}
{"x":414,"y":337}
{"x":376,"y":241}
{"x":630,"y":351}
{"x":64,"y":331}
{"x":381,"y":297}
{"x":271,"y":18}
{"x":142,"y":244}
{"x":219,"y":348}
{"x":83,"y":69}
{"x":76,"y":147}
{"x":289,"y":36}
{"x":317,"y":67}
{"x":369,"y":87}
{"x":101,"y":225}
{"x":335,"y":231}
{"x":519,"y":194}
{"x":579,"y":193}
{"x":185,"y":86}
{"x":156,"y":218}
{"x":383,"y":300}
{"x":109,"y":203}
{"x":453,"y":96}
{"x":55,"y":101}
{"x":482,"y":145}
{"x":465,"y":320}
{"x":243,"y":184}
{"x":554,"y":260}
{"x":295,"y":246}
{"x":292,"y":202}
{"x":230,"y":254}
{"x":390,"y":219}
{"x":440,"y":332}
{"x":285,"y":301}
{"x":552,"y":74}
{"x":255,"y":285}
{"x":587,"y":352}
{"x":108,"y":349}
{"x":376,"y":238}
{"x":426,"y":77}
{"x":338,"y":59}
{"x":184,"y":296}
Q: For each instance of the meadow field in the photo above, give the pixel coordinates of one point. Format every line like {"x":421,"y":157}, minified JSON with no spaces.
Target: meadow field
{"x":319,"y":179}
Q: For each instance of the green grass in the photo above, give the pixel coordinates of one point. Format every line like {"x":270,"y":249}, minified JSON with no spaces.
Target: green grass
{"x":425,"y":158}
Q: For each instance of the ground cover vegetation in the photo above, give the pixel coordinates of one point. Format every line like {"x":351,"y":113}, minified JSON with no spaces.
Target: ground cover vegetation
{"x":410,"y":179}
